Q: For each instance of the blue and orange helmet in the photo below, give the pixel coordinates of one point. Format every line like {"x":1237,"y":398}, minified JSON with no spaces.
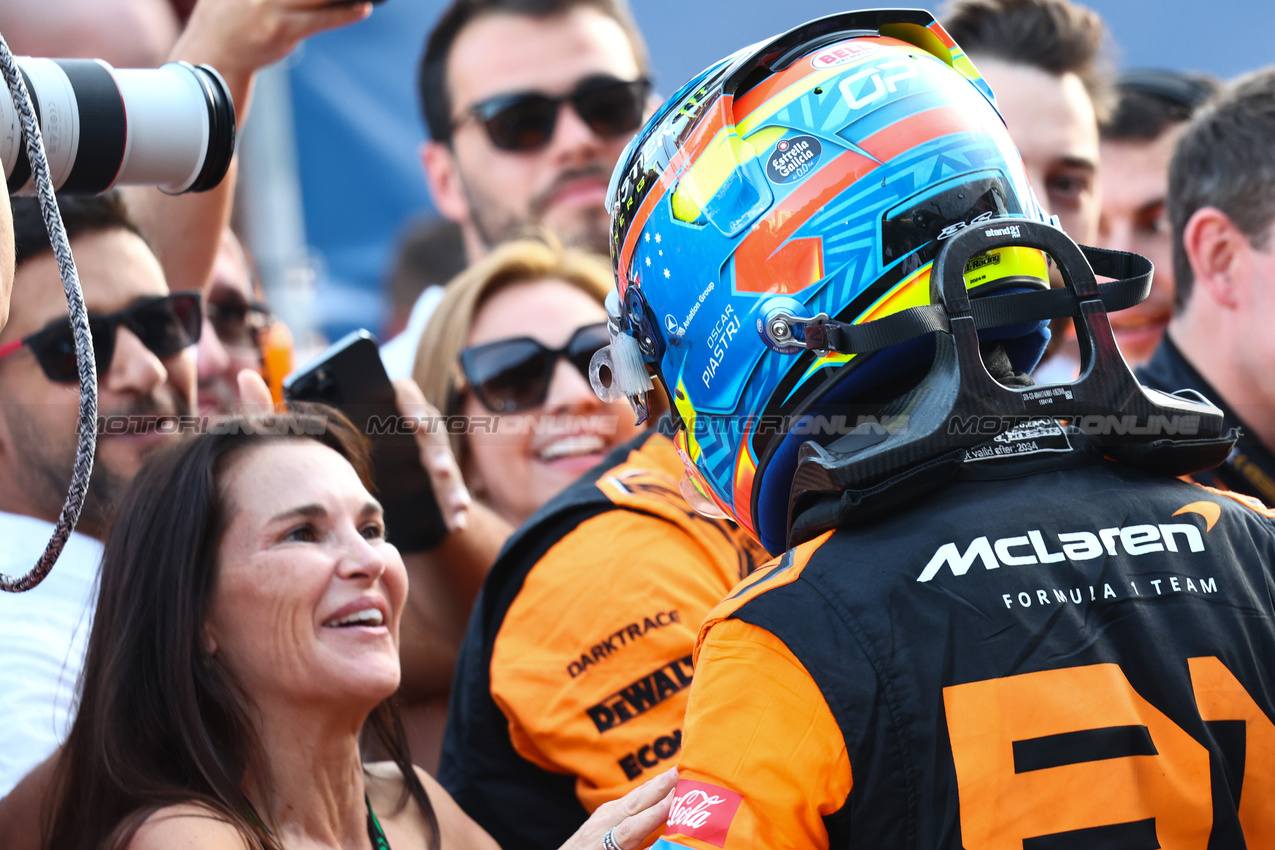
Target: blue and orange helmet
{"x":815,"y":174}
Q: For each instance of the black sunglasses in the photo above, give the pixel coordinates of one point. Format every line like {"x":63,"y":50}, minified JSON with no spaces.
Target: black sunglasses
{"x":514,"y":374}
{"x":524,"y":121}
{"x":165,"y":325}
{"x":237,"y":323}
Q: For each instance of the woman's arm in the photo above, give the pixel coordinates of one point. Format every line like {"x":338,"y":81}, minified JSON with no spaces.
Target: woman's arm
{"x":187,"y":826}
{"x":633,"y":817}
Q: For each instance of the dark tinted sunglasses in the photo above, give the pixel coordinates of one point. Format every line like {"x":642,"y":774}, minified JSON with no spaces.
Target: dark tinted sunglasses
{"x":237,"y":323}
{"x":524,"y":121}
{"x":514,"y":374}
{"x":165,"y":325}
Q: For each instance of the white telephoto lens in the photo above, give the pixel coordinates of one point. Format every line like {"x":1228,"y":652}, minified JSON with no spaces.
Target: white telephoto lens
{"x":171,"y":127}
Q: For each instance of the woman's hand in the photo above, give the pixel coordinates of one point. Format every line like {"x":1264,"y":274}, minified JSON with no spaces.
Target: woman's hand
{"x":453,"y":497}
{"x":633,"y":817}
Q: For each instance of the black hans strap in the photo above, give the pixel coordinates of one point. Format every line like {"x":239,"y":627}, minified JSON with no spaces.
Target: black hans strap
{"x":1132,"y":285}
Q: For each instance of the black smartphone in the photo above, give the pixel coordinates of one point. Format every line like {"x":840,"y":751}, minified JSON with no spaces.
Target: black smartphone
{"x":349,"y":376}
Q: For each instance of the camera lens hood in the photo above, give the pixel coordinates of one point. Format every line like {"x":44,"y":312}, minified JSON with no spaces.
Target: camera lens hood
{"x":221,"y":128}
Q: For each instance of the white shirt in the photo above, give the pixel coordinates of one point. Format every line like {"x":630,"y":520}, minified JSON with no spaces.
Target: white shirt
{"x":43,"y":634}
{"x":399,"y":354}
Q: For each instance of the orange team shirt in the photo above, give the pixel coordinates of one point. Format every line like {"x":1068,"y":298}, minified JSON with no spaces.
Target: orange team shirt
{"x":767,"y":761}
{"x":592,"y":664}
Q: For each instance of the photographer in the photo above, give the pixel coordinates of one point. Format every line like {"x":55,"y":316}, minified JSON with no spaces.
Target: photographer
{"x":237,"y":37}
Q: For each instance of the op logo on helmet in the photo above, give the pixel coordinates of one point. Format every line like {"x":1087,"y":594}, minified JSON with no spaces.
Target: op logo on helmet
{"x":842,"y":54}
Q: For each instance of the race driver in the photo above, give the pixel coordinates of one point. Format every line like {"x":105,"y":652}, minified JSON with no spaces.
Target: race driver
{"x":999,"y":619}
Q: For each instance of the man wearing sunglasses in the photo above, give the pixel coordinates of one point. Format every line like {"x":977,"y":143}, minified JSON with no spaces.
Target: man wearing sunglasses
{"x":235,"y":323}
{"x":143,"y":338}
{"x":529,"y":105}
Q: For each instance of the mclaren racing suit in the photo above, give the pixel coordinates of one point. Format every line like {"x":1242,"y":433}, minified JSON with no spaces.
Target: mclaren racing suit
{"x":573,"y":676}
{"x":1053,"y":651}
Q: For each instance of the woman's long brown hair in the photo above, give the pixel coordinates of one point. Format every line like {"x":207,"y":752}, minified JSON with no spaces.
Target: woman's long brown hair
{"x":159,"y":721}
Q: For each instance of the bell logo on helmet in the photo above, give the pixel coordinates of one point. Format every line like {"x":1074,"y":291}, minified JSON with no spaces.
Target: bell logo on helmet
{"x":843,"y":54}
{"x":953,"y":229}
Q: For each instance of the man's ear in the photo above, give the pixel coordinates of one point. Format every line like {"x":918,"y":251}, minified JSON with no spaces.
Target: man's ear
{"x":1220,"y":256}
{"x":443,"y":178}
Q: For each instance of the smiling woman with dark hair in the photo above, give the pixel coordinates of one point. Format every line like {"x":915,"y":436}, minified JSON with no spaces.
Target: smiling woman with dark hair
{"x":246,"y":637}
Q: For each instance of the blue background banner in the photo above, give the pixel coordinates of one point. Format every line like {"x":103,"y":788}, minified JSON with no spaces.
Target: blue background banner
{"x":358,"y":125}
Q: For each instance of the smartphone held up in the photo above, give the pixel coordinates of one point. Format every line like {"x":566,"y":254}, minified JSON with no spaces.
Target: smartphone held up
{"x":350,"y":377}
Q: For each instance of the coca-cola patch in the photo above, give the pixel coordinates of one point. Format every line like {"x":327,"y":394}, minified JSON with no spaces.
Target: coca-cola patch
{"x":702,"y":811}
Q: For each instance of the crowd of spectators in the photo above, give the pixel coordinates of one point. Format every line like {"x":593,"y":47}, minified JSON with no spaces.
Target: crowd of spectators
{"x":241,"y":660}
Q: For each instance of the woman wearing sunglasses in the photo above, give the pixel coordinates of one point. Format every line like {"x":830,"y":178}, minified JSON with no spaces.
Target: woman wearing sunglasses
{"x":508,"y":349}
{"x":505,"y":356}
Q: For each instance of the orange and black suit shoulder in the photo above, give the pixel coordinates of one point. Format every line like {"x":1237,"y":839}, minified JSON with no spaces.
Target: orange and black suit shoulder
{"x":573,"y":678}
